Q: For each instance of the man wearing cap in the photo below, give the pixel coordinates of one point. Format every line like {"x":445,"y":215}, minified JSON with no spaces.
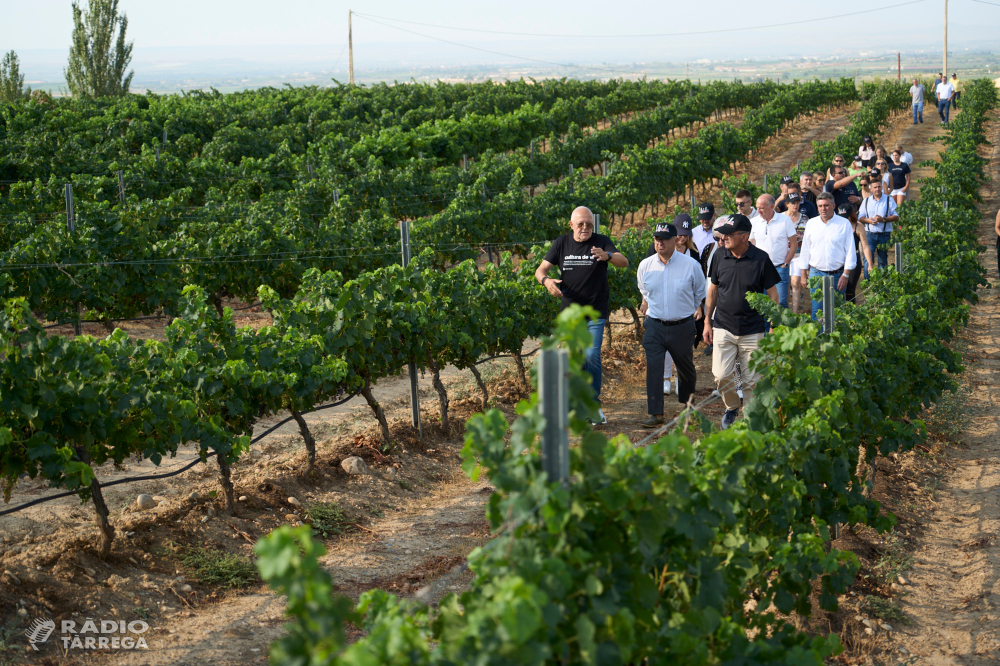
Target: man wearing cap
{"x":877,"y":213}
{"x":702,"y":234}
{"x":775,"y":234}
{"x":682,"y":227}
{"x":828,"y":248}
{"x":917,"y":96}
{"x":583,"y":257}
{"x":672,"y":287}
{"x":807,"y":207}
{"x":732,"y":327}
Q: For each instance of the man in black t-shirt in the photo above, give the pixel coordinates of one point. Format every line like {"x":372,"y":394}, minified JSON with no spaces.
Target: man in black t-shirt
{"x":843,"y":187}
{"x":732,"y":327}
{"x":583,"y":257}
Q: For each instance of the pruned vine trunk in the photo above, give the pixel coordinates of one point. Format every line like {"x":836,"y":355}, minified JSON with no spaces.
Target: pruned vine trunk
{"x":637,"y":322}
{"x":366,"y":391}
{"x":310,"y":444}
{"x":482,"y":386}
{"x":226,"y":481}
{"x":521,"y":373}
{"x":442,"y":394}
{"x":101,"y":509}
{"x":216,"y":299}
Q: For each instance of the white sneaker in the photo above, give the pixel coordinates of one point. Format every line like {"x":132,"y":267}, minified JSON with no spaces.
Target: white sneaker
{"x":716,"y":394}
{"x":666,"y":387}
{"x":602,"y":419}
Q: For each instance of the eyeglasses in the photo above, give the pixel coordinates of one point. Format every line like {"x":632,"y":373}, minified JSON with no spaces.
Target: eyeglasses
{"x":742,"y":203}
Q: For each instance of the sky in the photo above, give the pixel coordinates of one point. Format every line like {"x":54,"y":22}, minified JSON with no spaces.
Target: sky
{"x":316,"y":32}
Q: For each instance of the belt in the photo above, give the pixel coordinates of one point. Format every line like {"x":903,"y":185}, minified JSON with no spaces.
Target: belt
{"x":835,"y":270}
{"x":672,"y":322}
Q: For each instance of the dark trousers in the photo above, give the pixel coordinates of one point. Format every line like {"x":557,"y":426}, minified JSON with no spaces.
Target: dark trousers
{"x":679,"y":341}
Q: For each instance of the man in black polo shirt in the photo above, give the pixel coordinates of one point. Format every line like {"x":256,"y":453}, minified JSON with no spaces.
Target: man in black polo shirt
{"x":583,"y":257}
{"x":734,"y":328}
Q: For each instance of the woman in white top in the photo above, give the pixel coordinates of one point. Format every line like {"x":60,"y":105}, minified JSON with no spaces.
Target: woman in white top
{"x":799,"y":219}
{"x":883,"y":168}
{"x":867,"y":152}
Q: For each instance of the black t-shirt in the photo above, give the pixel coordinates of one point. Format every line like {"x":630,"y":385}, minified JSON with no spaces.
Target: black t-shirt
{"x":842,"y":195}
{"x":584,"y":278}
{"x":807,"y":208}
{"x":898,"y":172}
{"x":735,"y":278}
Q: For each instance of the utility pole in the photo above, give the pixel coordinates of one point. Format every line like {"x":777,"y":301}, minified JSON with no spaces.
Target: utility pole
{"x":350,"y":48}
{"x":945,"y":72}
{"x":899,"y":70}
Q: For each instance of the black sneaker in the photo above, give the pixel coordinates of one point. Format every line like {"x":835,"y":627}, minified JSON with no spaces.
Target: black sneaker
{"x":708,"y":350}
{"x":652,"y":422}
{"x":729,"y":418}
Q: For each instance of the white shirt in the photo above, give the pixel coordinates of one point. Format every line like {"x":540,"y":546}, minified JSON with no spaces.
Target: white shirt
{"x":773,"y":236}
{"x":702,"y":238}
{"x":944,"y":90}
{"x":906,"y":157}
{"x":673,"y":290}
{"x":871,"y":207}
{"x":827,"y":246}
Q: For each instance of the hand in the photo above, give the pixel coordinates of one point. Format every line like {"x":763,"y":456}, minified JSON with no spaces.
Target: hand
{"x":842,"y":282}
{"x":699,"y":313}
{"x":876,"y":219}
{"x":600,"y":254}
{"x":853,"y":199}
{"x":550,"y":285}
{"x":643,"y":307}
{"x":706,"y":334}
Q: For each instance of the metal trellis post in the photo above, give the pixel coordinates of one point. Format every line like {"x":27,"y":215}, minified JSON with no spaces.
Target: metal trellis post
{"x":829,"y":294}
{"x":121,"y":186}
{"x":899,"y":257}
{"x":71,"y":228}
{"x":404,"y":234}
{"x":928,"y":220}
{"x":553,"y":394}
{"x":597,"y":223}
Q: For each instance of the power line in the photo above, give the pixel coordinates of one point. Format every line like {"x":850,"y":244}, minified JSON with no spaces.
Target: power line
{"x":371,"y":17}
{"x":507,"y":55}
{"x":983,"y":2}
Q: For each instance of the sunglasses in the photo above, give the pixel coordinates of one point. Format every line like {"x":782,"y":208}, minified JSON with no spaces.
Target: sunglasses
{"x":742,"y":203}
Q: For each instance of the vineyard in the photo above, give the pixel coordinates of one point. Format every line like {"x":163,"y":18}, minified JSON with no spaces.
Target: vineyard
{"x":164,"y":207}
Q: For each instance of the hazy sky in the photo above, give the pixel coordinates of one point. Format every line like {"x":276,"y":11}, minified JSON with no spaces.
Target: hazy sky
{"x":47,"y":24}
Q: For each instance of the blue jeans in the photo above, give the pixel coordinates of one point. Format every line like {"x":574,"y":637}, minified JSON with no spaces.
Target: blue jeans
{"x":881,"y":254}
{"x":592,"y":362}
{"x":944,"y":106}
{"x":817,"y":296}
{"x":783,"y":286}
{"x":918,"y":112}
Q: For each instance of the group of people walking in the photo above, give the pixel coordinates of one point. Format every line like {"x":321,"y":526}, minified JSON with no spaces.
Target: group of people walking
{"x":694,"y":281}
{"x":946,"y":95}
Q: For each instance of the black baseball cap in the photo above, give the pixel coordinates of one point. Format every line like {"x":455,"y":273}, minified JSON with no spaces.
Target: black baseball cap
{"x":793,"y":197}
{"x":845,"y":209}
{"x":787,"y":180}
{"x":683,"y":224}
{"x":868,"y":139}
{"x":737,"y":222}
{"x":665,"y":231}
{"x":875,"y":173}
{"x":705,"y":211}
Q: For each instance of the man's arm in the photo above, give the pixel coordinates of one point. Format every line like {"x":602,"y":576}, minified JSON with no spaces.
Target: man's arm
{"x":793,"y":244}
{"x":844,"y":182}
{"x":804,"y":256}
{"x":619,"y":260}
{"x":712,"y":296}
{"x":542,"y":275}
{"x":772,"y":293}
{"x":640,"y":275}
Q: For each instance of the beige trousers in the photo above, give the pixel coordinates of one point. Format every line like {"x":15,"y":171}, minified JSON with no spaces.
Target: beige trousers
{"x":725,"y":347}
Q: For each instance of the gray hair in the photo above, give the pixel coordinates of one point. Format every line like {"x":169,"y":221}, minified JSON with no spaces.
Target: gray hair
{"x":824,"y":196}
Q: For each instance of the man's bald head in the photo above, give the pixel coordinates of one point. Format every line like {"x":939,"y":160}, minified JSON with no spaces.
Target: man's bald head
{"x":582,"y":223}
{"x":765,"y":206}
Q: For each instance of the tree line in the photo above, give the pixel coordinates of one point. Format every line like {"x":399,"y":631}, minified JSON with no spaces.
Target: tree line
{"x":98,"y":56}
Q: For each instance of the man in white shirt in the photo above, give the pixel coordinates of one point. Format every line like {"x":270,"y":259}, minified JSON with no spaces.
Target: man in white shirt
{"x":672,"y":287}
{"x":828,"y":248}
{"x":775,"y":234}
{"x":702,"y":234}
{"x":945,"y":91}
{"x":877,"y":213}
